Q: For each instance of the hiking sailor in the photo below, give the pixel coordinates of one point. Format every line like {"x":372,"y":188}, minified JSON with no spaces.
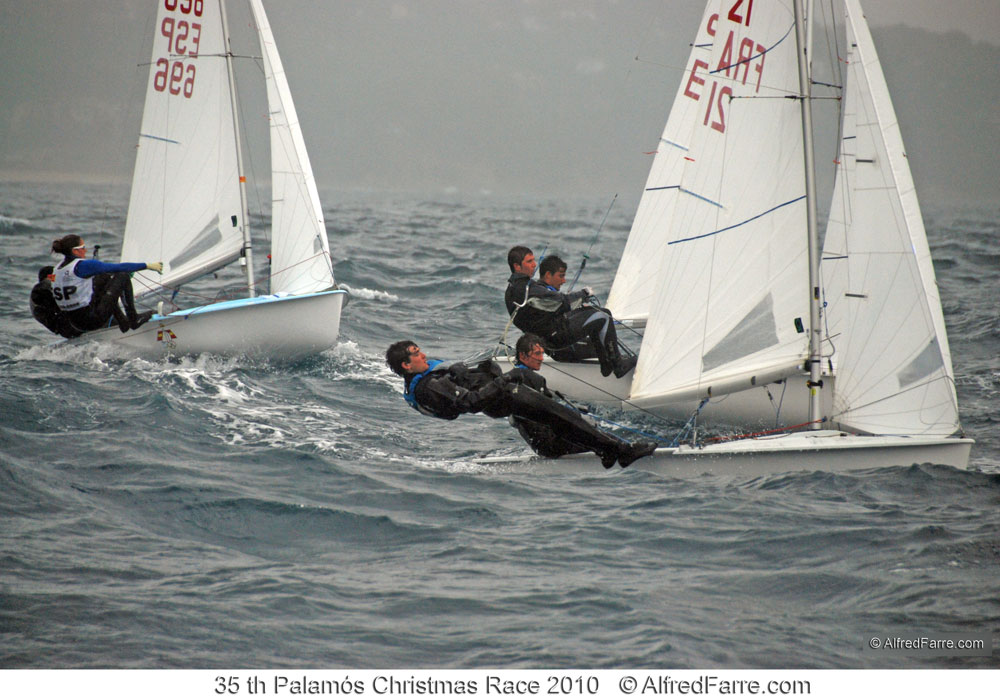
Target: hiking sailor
{"x":88,"y":291}
{"x":449,"y":390}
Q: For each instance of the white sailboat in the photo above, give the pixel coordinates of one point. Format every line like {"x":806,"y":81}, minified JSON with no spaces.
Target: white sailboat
{"x":722,"y":265}
{"x":188,"y":203}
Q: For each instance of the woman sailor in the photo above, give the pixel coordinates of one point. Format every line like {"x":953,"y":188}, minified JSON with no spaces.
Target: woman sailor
{"x":87,"y":291}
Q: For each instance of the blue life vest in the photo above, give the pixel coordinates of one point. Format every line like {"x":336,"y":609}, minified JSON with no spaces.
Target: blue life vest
{"x":410,"y":390}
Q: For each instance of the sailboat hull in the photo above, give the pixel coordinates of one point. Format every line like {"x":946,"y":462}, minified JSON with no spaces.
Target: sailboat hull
{"x":821,"y":450}
{"x":268,"y":327}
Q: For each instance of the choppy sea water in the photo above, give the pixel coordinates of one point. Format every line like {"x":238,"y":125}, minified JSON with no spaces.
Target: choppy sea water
{"x":215,"y":513}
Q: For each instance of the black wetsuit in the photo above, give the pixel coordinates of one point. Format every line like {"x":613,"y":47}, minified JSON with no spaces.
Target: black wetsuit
{"x":563,"y":320}
{"x":46,"y":311}
{"x":448,"y":391}
{"x":541,"y":437}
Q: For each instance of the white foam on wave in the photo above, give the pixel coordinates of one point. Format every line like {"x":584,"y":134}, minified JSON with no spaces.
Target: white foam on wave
{"x":7,"y":222}
{"x":371,"y":294}
{"x":96,"y":354}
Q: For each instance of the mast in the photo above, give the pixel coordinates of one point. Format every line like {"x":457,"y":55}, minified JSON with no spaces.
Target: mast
{"x":815,"y":337}
{"x":244,"y":223}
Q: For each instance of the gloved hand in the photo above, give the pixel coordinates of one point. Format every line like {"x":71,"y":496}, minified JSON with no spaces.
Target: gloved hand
{"x":155,"y":267}
{"x":491,"y":399}
{"x":587,"y":292}
{"x":490,"y":367}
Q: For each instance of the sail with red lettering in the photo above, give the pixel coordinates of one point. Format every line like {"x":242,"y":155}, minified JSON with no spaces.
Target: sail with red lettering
{"x":185,"y":206}
{"x":723,"y":216}
{"x":723,"y":256}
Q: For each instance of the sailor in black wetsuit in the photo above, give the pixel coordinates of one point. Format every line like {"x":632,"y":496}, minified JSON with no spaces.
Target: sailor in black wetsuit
{"x":45,"y":309}
{"x":447,"y":391}
{"x":560,"y":319}
{"x":542,"y":439}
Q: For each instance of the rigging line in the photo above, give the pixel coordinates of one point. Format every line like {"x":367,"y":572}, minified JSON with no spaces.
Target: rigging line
{"x":586,"y":256}
{"x":742,"y":223}
{"x":207,"y":300}
{"x":786,"y":429}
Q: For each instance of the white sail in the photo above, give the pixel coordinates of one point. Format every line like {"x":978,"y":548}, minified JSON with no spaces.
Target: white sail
{"x":893,"y":364}
{"x":632,"y":292}
{"x":300,"y":252}
{"x":730,"y":291}
{"x":185,"y":205}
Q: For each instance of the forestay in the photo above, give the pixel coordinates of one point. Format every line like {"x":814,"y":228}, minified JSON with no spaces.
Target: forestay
{"x":724,"y":216}
{"x":893,"y":364}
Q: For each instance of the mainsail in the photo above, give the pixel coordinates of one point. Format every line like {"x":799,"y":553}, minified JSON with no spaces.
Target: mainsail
{"x":723,"y":217}
{"x":185,"y":205}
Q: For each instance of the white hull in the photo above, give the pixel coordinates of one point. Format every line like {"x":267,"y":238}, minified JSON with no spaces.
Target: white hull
{"x":821,"y":450}
{"x":269,"y":327}
{"x":756,"y":408}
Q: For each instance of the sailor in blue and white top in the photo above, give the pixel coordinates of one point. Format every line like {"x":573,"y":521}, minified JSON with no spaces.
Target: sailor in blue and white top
{"x":88,"y":291}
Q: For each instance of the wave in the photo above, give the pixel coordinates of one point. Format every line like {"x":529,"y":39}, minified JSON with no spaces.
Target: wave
{"x":371,"y":294}
{"x":13,"y":224}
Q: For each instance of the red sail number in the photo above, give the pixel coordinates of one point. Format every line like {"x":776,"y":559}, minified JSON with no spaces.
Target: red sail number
{"x":186,"y":7}
{"x":183,"y":39}
{"x":734,"y":16}
{"x":174,"y":76}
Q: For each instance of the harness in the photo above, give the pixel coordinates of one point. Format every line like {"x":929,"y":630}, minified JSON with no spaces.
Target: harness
{"x":409,"y":392}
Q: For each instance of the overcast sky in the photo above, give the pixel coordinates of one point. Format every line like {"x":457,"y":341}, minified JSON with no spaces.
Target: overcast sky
{"x":503,"y":96}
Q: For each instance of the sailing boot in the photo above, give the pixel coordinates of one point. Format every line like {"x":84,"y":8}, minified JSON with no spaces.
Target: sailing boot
{"x":141,"y":319}
{"x":622,"y":365}
{"x":634,"y":451}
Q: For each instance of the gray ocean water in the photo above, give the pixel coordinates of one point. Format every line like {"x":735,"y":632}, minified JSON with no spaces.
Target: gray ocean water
{"x":215,"y":513}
